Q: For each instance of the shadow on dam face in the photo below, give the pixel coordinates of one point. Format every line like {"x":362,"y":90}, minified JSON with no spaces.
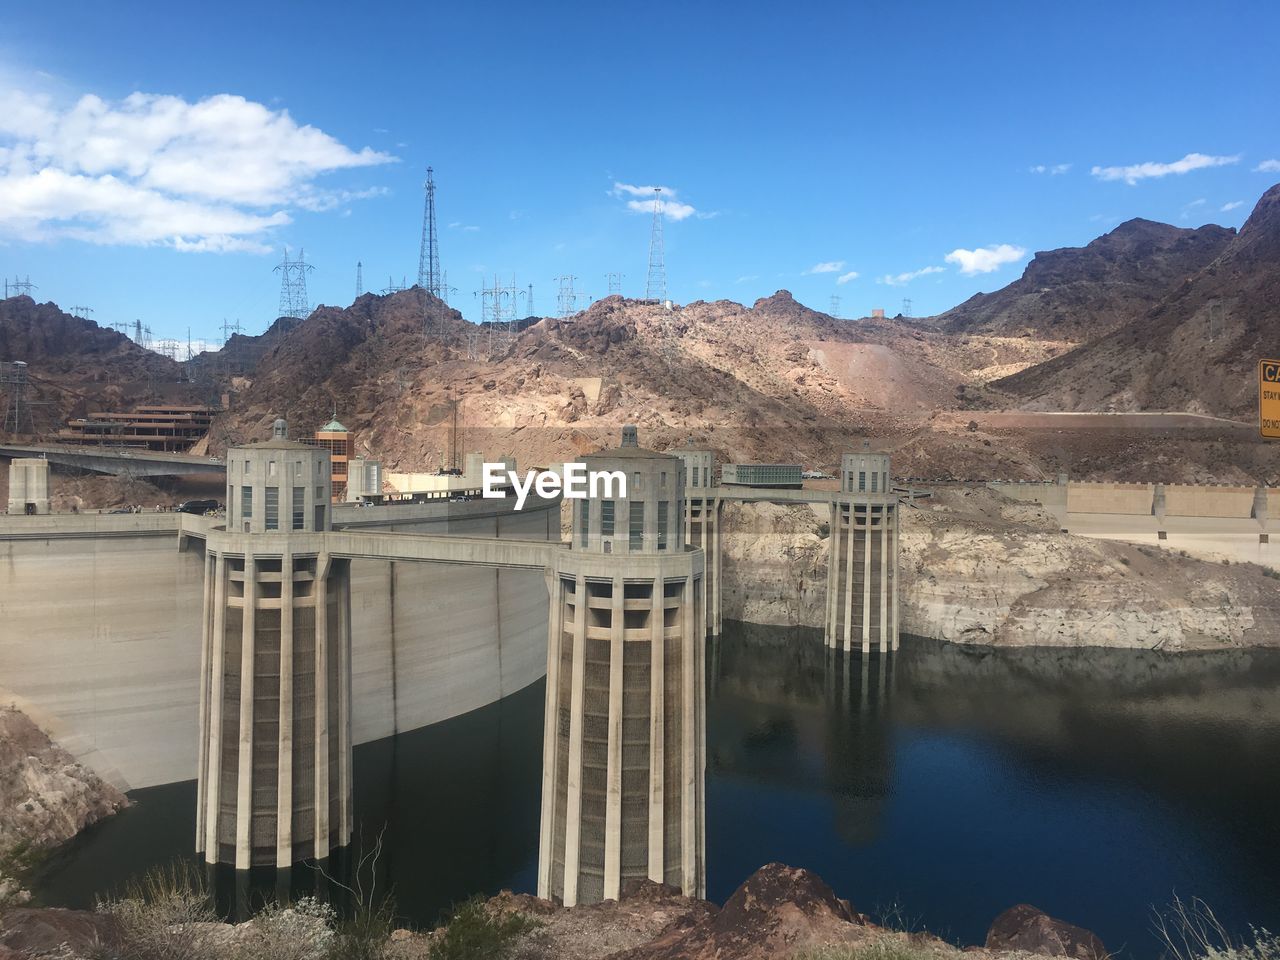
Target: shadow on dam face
{"x":456,"y":805}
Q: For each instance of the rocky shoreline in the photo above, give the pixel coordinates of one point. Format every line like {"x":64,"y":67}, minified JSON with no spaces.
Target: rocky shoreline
{"x":979,"y":568}
{"x":46,"y":798}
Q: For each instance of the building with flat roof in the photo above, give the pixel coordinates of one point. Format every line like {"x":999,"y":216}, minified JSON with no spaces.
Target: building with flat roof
{"x":779,"y":475}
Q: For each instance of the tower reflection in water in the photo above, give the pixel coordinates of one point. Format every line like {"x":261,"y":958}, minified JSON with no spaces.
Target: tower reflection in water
{"x":787,"y":713}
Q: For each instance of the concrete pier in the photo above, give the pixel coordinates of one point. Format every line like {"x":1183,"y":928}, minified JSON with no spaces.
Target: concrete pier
{"x":624,"y":740}
{"x":29,"y":486}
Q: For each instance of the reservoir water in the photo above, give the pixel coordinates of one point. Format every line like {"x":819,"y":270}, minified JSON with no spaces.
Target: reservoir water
{"x":940,"y":786}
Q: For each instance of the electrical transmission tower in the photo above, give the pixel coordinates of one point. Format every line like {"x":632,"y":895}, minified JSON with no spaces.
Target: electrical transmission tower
{"x":656,"y":287}
{"x":359,"y":278}
{"x":445,"y":289}
{"x":17,"y":412}
{"x":498,"y":313}
{"x":18,"y":288}
{"x":228,"y":329}
{"x":141,"y":335}
{"x":83,"y":313}
{"x":392,"y":286}
{"x":566,"y":300}
{"x":293,"y":285}
{"x":528,"y":302}
{"x":429,"y":253}
{"x":906,"y":307}
{"x":835,"y":306}
{"x":615,"y":284}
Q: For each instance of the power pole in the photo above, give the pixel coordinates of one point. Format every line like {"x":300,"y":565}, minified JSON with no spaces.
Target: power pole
{"x":528,"y":302}
{"x":615,"y":284}
{"x":906,"y":307}
{"x":81,"y":312}
{"x":429,"y":253}
{"x":656,"y":285}
{"x":359,"y":278}
{"x":835,"y":306}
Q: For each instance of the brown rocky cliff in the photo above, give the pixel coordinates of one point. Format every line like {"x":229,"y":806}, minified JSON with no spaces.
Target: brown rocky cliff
{"x":1196,"y":349}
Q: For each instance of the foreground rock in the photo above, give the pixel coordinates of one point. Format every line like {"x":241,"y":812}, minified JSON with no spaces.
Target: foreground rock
{"x":1030,"y":929}
{"x":46,"y":797}
{"x":779,"y":913}
{"x":977,"y":567}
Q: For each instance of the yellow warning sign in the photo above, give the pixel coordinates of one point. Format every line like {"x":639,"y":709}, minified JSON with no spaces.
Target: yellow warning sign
{"x":1269,"y":398}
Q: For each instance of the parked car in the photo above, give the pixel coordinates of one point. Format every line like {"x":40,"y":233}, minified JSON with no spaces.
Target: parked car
{"x":198,"y":507}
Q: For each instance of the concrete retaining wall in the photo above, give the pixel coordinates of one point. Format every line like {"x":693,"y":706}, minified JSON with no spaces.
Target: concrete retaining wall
{"x":1130,"y":498}
{"x":100,"y":631}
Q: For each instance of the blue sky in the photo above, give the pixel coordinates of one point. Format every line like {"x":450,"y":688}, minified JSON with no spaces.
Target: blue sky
{"x":928,"y":148}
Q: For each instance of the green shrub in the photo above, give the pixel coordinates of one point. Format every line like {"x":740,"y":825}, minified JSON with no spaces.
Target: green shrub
{"x":474,"y":933}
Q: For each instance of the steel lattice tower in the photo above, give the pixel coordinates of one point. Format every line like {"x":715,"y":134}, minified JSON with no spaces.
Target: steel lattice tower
{"x":566,"y":299}
{"x":429,"y":253}
{"x":19,"y":287}
{"x":615,"y":284}
{"x":18,"y":412}
{"x":293,"y":285}
{"x":656,"y":287}
{"x":359,"y":278}
{"x":835,"y":306}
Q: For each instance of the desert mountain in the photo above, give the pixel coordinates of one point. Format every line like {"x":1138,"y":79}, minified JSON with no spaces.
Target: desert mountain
{"x":1196,"y":349}
{"x":1077,"y":294}
{"x":75,"y":365}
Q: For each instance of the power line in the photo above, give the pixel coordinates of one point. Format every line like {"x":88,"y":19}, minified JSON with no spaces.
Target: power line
{"x":656,"y":286}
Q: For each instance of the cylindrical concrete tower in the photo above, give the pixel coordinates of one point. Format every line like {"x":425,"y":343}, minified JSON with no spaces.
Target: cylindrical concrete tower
{"x":275,"y":698}
{"x":623,"y":747}
{"x":862,"y":569}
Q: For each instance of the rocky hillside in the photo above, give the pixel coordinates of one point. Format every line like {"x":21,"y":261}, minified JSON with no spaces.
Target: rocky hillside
{"x":1077,"y":294}
{"x":76,"y":366}
{"x":1196,"y":349}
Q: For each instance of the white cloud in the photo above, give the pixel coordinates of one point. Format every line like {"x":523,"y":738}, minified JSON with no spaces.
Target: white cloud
{"x":900,"y":279}
{"x":1227,"y":207}
{"x":1052,"y":169}
{"x":829,"y":266}
{"x":1268,"y":166}
{"x":672,"y":207}
{"x":747,"y":278}
{"x":846,"y":277}
{"x":985,"y":259}
{"x":212,"y":175}
{"x":1143,"y":171}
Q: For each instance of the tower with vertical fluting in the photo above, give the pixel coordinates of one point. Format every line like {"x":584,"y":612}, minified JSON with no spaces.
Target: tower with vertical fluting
{"x":623,"y":745}
{"x":862,"y":571}
{"x":274,"y":782}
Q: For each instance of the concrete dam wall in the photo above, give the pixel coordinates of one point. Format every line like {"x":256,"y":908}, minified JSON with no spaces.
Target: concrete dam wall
{"x":100,"y":626}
